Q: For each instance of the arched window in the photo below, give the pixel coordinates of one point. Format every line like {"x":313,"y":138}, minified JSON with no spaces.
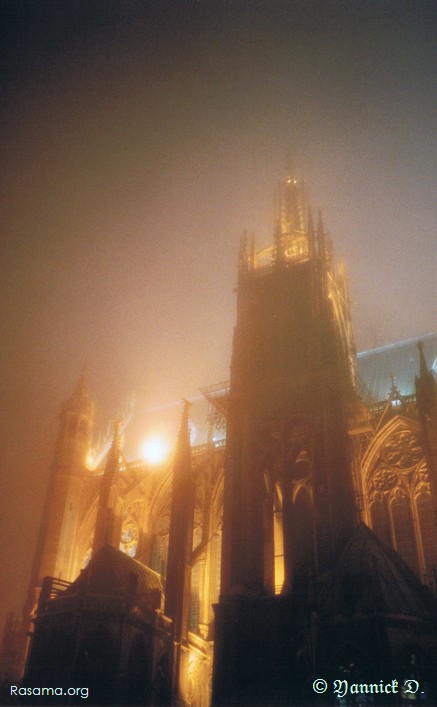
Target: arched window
{"x":404,"y":535}
{"x":158,"y":555}
{"x":278,"y":536}
{"x":129,"y":540}
{"x":129,"y":535}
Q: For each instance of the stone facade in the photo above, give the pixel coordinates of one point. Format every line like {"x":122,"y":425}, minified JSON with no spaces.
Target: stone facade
{"x":267,"y":513}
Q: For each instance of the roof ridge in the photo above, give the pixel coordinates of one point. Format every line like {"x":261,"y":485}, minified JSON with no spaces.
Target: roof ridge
{"x":385,"y":347}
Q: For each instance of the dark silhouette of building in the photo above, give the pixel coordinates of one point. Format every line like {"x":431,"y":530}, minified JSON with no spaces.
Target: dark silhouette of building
{"x":310,"y":525}
{"x":290,"y":496}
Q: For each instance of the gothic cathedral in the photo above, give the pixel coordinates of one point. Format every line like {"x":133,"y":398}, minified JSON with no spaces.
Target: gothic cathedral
{"x":296,"y":540}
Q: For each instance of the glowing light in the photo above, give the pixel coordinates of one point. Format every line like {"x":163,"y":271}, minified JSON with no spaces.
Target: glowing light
{"x":154,"y":450}
{"x":91,"y":462}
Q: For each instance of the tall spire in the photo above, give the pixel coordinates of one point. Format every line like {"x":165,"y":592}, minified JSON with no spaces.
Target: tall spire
{"x":180,"y":540}
{"x":243,"y":255}
{"x":252,"y":252}
{"x":310,"y":234}
{"x":289,"y":165}
{"x":424,"y":372}
{"x":292,"y":205}
{"x":113,"y":459}
{"x":105,"y":531}
{"x":81,"y":392}
{"x":180,"y":544}
{"x":79,"y":402}
{"x":321,"y":236}
{"x":82,"y":386}
{"x":426,"y":385}
{"x":279,"y":246}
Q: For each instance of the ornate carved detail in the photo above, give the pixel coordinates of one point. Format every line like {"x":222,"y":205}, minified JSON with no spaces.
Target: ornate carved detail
{"x":375,"y":497}
{"x":402,"y":450}
{"x":384,"y":480}
{"x":422,"y":474}
{"x":398,"y":494}
{"x":422,"y":489}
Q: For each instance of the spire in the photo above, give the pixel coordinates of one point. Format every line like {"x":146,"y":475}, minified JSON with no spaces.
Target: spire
{"x":289,"y":164}
{"x":310,"y":234}
{"x":424,"y":373}
{"x":279,"y":248}
{"x":243,"y":255}
{"x":184,"y":445}
{"x":113,"y":458}
{"x":105,"y":531}
{"x":321,"y":236}
{"x":180,"y":541}
{"x":291,"y":207}
{"x":79,"y":401}
{"x":394,"y":390}
{"x":425,"y":381}
{"x":252,"y":252}
{"x":81,"y":392}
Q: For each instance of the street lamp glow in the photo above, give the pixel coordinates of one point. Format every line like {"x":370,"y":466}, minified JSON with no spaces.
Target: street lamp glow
{"x":154,"y":450}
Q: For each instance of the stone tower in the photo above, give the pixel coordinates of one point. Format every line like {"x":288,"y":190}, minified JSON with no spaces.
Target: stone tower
{"x":289,"y":501}
{"x":55,"y":553}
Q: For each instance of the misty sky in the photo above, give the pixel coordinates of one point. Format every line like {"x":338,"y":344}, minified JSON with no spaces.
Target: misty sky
{"x":138,"y":141}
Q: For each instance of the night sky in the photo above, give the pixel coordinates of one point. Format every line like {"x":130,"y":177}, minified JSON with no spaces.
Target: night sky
{"x":138,"y":141}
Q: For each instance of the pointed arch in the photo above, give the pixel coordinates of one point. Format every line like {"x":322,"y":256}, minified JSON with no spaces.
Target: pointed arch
{"x":394,"y":468}
{"x":397,"y":424}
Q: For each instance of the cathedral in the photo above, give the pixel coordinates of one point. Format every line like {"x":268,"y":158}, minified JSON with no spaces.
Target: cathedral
{"x":291,"y":537}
